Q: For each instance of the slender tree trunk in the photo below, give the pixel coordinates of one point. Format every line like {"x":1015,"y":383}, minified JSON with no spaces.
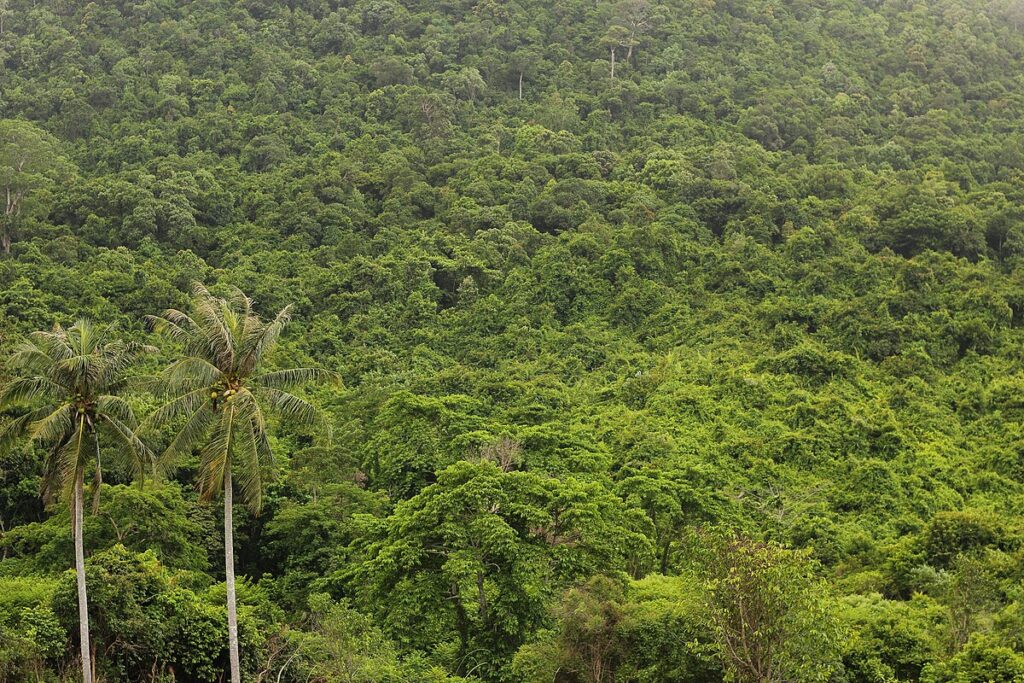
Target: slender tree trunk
{"x":613,"y":63}
{"x":229,"y":576}
{"x":520,"y":85}
{"x":10,"y":211}
{"x":83,"y":603}
{"x":97,"y":481}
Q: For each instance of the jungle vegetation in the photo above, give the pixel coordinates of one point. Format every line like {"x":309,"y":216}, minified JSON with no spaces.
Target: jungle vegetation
{"x":466,"y":341}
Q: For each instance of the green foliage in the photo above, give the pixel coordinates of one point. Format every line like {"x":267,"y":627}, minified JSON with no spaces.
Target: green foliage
{"x":772,"y":618}
{"x":891,"y":640}
{"x":766,"y":276}
{"x":954,"y":533}
{"x":32,"y":643}
{"x":983,"y":659}
{"x":146,"y":621}
{"x":665,"y":632}
{"x":470,"y":561}
{"x":157,"y":519}
{"x":30,"y":163}
{"x":606,"y":629}
{"x":344,"y":645}
{"x":309,"y":540}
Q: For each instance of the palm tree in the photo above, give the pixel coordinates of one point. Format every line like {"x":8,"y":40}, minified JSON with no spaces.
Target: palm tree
{"x":71,"y":380}
{"x":217,"y":391}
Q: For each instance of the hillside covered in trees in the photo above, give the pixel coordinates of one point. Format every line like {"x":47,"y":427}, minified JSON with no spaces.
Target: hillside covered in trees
{"x":637,"y":341}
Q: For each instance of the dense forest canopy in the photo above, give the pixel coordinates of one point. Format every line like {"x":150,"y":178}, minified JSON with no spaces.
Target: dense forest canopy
{"x":671,"y":341}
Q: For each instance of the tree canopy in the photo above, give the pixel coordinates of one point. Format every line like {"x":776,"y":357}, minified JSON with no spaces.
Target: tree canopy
{"x":635,"y":313}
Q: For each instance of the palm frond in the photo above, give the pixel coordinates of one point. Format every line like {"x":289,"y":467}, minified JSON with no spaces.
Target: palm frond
{"x":180,"y":319}
{"x":71,"y":455}
{"x":97,"y":480}
{"x":90,"y":358}
{"x":85,"y":337}
{"x":266,"y":455}
{"x":234,"y":323}
{"x":52,"y":482}
{"x":248,"y":472}
{"x":199,"y":291}
{"x":26,"y":389}
{"x":191,"y":433}
{"x":174,"y":325}
{"x":29,"y":358}
{"x":240,"y":302}
{"x":80,"y":368}
{"x":147,"y":384}
{"x":209,"y":312}
{"x":262,"y":339}
{"x":16,"y":429}
{"x":140,"y":456}
{"x":55,"y":425}
{"x":55,"y":344}
{"x":117,"y":407}
{"x":118,"y":357}
{"x":184,"y":404}
{"x":251,"y":324}
{"x":286,"y":405}
{"x":248,"y":408}
{"x":292,"y":377}
{"x":136,"y":349}
{"x":191,"y":372}
{"x":215,"y":457}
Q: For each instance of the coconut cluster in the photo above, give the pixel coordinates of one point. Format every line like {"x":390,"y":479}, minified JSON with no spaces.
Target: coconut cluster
{"x":221,"y":392}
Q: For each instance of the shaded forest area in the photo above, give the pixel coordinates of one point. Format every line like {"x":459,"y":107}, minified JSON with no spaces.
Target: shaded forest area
{"x":672,"y":341}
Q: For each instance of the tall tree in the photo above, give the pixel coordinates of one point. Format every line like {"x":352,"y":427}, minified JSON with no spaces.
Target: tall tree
{"x":71,"y":380}
{"x":615,"y":37}
{"x":29,"y":162}
{"x":216,"y":387}
{"x":522,"y":63}
{"x":636,"y":17}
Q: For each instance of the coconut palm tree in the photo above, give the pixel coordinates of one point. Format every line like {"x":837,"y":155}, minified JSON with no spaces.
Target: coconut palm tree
{"x":71,"y":381}
{"x":220,"y":396}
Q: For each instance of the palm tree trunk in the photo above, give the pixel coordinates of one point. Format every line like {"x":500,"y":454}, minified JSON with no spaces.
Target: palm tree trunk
{"x":229,"y":576}
{"x":83,"y":604}
{"x":97,"y":482}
